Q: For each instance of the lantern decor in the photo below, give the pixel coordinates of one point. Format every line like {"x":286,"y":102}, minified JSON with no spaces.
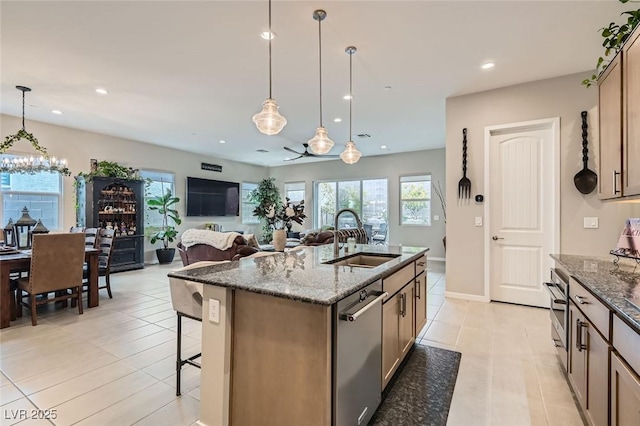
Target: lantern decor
{"x":9,"y":234}
{"x":23,"y":230}
{"x":39,"y":228}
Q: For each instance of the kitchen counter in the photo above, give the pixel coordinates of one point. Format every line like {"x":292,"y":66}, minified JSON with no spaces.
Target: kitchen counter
{"x":301,"y":274}
{"x":612,"y":284}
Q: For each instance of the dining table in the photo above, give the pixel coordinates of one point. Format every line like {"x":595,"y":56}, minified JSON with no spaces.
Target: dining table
{"x":21,"y":261}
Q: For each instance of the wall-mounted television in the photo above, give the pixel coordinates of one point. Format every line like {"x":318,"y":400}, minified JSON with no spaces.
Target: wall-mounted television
{"x":206,"y":197}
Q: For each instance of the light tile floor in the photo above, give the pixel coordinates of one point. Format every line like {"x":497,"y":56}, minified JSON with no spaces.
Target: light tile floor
{"x":115,"y":365}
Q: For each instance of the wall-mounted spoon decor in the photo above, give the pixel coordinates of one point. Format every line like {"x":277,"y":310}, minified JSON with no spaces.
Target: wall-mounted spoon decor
{"x":585,"y":180}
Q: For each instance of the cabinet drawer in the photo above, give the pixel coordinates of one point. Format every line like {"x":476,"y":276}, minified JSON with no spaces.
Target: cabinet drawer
{"x":626,"y":341}
{"x":592,"y":308}
{"x":421,"y":265}
{"x":395,"y":282}
{"x":123,"y":243}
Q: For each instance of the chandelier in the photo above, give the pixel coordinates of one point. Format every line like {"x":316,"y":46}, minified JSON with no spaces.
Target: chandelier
{"x":269,"y":121}
{"x":350,"y":155}
{"x":30,"y":164}
{"x":320,"y":143}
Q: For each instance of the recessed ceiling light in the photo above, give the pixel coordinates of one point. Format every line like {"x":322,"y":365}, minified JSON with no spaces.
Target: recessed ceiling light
{"x":267,"y":35}
{"x":223,"y":141}
{"x":287,"y":158}
{"x":488,"y":65}
{"x":56,"y":111}
{"x":101,"y":91}
{"x":383,"y":147}
{"x":347,"y":97}
{"x":337,"y":120}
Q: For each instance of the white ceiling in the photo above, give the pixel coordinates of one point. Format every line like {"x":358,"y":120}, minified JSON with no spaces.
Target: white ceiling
{"x":188,"y":74}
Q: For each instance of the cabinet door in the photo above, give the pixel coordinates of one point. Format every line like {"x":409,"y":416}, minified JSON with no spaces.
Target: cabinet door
{"x":390,"y":343}
{"x":577,"y":355}
{"x":625,"y":394}
{"x":407,"y":319}
{"x":421,"y":302}
{"x":631,"y":114}
{"x":610,"y":121}
{"x":597,"y":406}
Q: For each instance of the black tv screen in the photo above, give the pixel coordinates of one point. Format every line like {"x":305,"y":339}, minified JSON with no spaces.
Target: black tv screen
{"x":207,"y":197}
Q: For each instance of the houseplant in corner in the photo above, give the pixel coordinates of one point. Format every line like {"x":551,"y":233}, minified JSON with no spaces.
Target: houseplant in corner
{"x":167,"y":233}
{"x":266,"y":196}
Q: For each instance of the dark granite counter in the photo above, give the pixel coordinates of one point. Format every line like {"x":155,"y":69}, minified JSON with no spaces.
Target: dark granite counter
{"x":301,"y":274}
{"x":618,"y":287}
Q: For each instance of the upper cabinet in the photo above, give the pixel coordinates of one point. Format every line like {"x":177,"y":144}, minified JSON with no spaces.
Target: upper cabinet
{"x":619,"y":115}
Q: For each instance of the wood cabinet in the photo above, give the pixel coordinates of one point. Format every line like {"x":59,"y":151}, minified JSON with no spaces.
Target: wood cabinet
{"x":631,"y":114}
{"x":105,"y":202}
{"x":625,"y":394}
{"x":421,"y":302}
{"x":588,"y":367}
{"x":402,"y":312}
{"x":619,"y":123}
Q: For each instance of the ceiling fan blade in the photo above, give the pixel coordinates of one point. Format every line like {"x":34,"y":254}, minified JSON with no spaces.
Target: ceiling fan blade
{"x":291,"y":150}
{"x":291,"y":159}
{"x":326,"y":156}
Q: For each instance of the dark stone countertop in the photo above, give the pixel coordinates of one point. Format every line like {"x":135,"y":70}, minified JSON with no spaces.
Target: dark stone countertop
{"x":301,"y":274}
{"x":618,"y":287}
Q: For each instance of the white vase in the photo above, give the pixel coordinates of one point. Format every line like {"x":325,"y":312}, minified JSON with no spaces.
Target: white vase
{"x":279,"y":239}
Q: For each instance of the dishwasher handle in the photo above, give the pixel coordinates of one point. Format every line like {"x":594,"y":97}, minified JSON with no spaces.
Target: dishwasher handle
{"x":354,"y":316}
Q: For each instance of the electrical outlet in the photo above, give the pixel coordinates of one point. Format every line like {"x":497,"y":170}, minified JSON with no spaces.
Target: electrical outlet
{"x":591,"y":222}
{"x":214,"y":311}
{"x":436,"y":217}
{"x":478,"y":220}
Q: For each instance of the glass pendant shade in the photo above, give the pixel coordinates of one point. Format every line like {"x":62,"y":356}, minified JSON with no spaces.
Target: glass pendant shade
{"x":320,"y":143}
{"x":350,"y":155}
{"x":269,"y":121}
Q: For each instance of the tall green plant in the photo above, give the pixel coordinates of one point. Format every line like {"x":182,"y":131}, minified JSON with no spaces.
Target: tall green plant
{"x":614,"y":37}
{"x":265,"y":196}
{"x":164,"y":205}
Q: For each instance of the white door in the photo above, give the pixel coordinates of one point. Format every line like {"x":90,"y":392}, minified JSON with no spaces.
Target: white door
{"x":522,"y":171}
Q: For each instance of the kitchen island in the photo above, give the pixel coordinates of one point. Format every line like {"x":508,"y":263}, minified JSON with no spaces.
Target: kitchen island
{"x":269,"y":336}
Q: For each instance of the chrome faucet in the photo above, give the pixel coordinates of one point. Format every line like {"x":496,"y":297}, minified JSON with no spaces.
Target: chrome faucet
{"x":336,"y":243}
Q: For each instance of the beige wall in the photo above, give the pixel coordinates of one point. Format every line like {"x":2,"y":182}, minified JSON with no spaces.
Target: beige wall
{"x":384,"y":166}
{"x":79,"y":146}
{"x":562,"y":97}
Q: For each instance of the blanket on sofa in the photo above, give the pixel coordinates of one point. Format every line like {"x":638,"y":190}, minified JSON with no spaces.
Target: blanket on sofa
{"x":219,"y":240}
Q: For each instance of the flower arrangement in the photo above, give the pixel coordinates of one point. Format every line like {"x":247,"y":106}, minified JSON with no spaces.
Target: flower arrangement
{"x":282,"y":216}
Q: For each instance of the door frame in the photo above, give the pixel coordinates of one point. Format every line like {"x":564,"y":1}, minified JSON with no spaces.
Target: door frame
{"x":548,"y":123}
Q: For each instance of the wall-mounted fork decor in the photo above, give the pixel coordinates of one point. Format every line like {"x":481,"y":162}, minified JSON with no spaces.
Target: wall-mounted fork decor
{"x":464,"y":185}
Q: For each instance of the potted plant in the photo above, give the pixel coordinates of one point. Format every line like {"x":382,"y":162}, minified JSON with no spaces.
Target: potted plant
{"x":265,"y":196}
{"x":167,"y":233}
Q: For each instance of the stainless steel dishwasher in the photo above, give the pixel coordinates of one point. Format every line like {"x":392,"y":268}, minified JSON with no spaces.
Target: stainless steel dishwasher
{"x":357,"y":351}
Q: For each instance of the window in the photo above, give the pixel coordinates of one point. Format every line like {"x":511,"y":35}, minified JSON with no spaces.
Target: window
{"x":367,"y":197}
{"x":294,"y":191}
{"x":40,"y":193}
{"x":157,"y":184}
{"x":415,"y":200}
{"x":247,"y":205}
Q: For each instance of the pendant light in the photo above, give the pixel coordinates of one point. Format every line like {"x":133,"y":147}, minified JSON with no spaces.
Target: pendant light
{"x":350,"y":155}
{"x":320,"y":143}
{"x":30,"y":164}
{"x":269,"y":121}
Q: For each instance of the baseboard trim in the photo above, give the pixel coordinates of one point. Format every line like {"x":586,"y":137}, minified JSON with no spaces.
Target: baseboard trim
{"x":464,"y":296}
{"x":439,"y":259}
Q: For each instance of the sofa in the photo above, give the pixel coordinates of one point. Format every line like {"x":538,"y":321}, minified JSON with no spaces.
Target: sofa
{"x":241,"y":246}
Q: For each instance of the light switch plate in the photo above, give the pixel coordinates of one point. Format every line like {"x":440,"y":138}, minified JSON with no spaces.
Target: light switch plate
{"x":478,"y":220}
{"x":436,"y":217}
{"x":214,"y":311}
{"x":591,"y":222}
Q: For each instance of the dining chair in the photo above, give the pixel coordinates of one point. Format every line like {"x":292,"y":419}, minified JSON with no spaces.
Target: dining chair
{"x":186,"y":298}
{"x":106,"y":242}
{"x":368,"y":228}
{"x":56,"y":265}
{"x":380,"y":237}
{"x":91,"y":237}
{"x":76,"y":229}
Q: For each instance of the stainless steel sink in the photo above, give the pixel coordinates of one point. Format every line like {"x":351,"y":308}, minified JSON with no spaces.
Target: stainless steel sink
{"x":363,"y":260}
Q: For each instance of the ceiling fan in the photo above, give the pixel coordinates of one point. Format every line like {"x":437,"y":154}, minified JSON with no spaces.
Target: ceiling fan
{"x":306,"y":153}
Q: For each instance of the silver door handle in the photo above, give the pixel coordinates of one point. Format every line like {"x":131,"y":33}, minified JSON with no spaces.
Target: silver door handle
{"x":551,"y":288}
{"x":557,"y":343}
{"x":403,"y":305}
{"x":417,"y":289}
{"x":496,"y":238}
{"x":581,"y":300}
{"x":355,"y":315}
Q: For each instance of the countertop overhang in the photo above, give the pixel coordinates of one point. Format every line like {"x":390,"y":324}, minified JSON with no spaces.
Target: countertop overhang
{"x":302,"y":274}
{"x":612,"y":284}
